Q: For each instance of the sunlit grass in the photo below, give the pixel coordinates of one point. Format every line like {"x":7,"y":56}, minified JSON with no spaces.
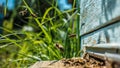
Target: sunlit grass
{"x":22,"y":49}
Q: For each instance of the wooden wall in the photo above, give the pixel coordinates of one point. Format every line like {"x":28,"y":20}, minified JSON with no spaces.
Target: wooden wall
{"x":99,"y":22}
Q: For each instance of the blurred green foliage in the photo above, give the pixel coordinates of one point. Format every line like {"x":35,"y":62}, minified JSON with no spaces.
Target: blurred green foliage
{"x":20,"y":48}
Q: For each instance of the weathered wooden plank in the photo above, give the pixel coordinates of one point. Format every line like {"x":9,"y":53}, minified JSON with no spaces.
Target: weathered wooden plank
{"x":97,"y":12}
{"x":47,"y":64}
{"x":111,"y":22}
{"x":103,"y":48}
{"x":110,"y":34}
{"x":98,"y":21}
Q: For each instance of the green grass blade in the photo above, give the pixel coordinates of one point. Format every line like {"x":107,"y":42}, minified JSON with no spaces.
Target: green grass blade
{"x":38,"y":22}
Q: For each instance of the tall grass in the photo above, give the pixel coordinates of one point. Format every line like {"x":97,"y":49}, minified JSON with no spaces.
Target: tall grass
{"x":20,"y":49}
